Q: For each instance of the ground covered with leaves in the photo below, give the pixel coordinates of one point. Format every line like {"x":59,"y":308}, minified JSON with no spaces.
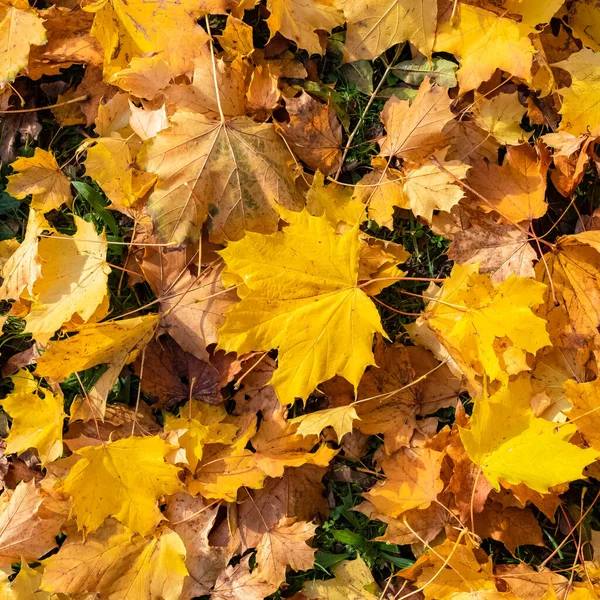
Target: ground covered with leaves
{"x":300,"y":299}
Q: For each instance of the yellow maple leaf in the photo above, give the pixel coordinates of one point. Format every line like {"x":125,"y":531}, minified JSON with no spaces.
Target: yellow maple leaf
{"x":233,"y":171}
{"x":373,"y":27}
{"x":109,"y":162}
{"x":334,"y":201}
{"x":97,"y":343}
{"x":340,"y":419}
{"x":38,"y":418}
{"x":352,"y":581}
{"x":470,"y":313}
{"x":298,"y":20}
{"x":198,"y":424}
{"x":25,"y":586}
{"x":585,"y":23}
{"x":41,"y":177}
{"x":300,"y":295}
{"x":580,"y":110}
{"x":115,"y":563}
{"x":122,"y":479}
{"x":73,"y":282}
{"x":501,"y":117}
{"x":534,"y":13}
{"x":510,"y":443}
{"x":485,"y":42}
{"x":430,"y":188}
{"x":20,"y":28}
{"x":236,"y":39}
{"x":452,"y":568}
{"x":138,"y":28}
{"x":22,"y":269}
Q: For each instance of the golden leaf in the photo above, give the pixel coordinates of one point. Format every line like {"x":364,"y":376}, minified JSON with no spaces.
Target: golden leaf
{"x":20,"y":28}
{"x":485,"y":42}
{"x":508,"y":442}
{"x":73,"y":282}
{"x":41,"y":177}
{"x":318,"y":287}
{"x":122,"y":479}
{"x":38,"y":418}
{"x":470,"y":313}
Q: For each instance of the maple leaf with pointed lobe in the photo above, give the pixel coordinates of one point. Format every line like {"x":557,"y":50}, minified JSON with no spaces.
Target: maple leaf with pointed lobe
{"x":308,"y":274}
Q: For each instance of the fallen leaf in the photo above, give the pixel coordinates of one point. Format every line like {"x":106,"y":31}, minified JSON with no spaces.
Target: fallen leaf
{"x":113,"y":562}
{"x":352,"y":581}
{"x":298,"y":21}
{"x":585,"y":400}
{"x":452,"y":567}
{"x":470,"y":312}
{"x":507,"y":441}
{"x":192,"y":519}
{"x":239,"y":583}
{"x":431,"y":187}
{"x":375,"y":27}
{"x":414,"y":131}
{"x":500,"y":250}
{"x":123,"y":479}
{"x":24,"y":533}
{"x":501,"y":117}
{"x":20,"y":28}
{"x":512,"y":526}
{"x":319,"y":289}
{"x":516,"y":190}
{"x":412,"y":481}
{"x":341,"y":419}
{"x":38,"y":418}
{"x":73,"y":281}
{"x":137,"y":28}
{"x":485,"y":42}
{"x":285,"y":545}
{"x":314,"y":133}
{"x":23,"y":268}
{"x":41,"y":177}
{"x":580,"y":113}
{"x":199,"y":167}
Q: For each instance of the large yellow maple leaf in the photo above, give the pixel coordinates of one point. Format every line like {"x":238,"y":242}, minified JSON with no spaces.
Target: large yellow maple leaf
{"x":232,"y":172}
{"x":122,"y":479}
{"x":20,"y":28}
{"x":38,"y":418}
{"x":127,"y":29}
{"x":470,"y":313}
{"x":41,"y":177}
{"x":373,"y":27}
{"x":73,"y":282}
{"x":510,"y":443}
{"x":485,"y":42}
{"x":300,"y":295}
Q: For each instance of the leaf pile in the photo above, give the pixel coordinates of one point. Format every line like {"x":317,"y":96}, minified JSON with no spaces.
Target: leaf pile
{"x":228,"y":370}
